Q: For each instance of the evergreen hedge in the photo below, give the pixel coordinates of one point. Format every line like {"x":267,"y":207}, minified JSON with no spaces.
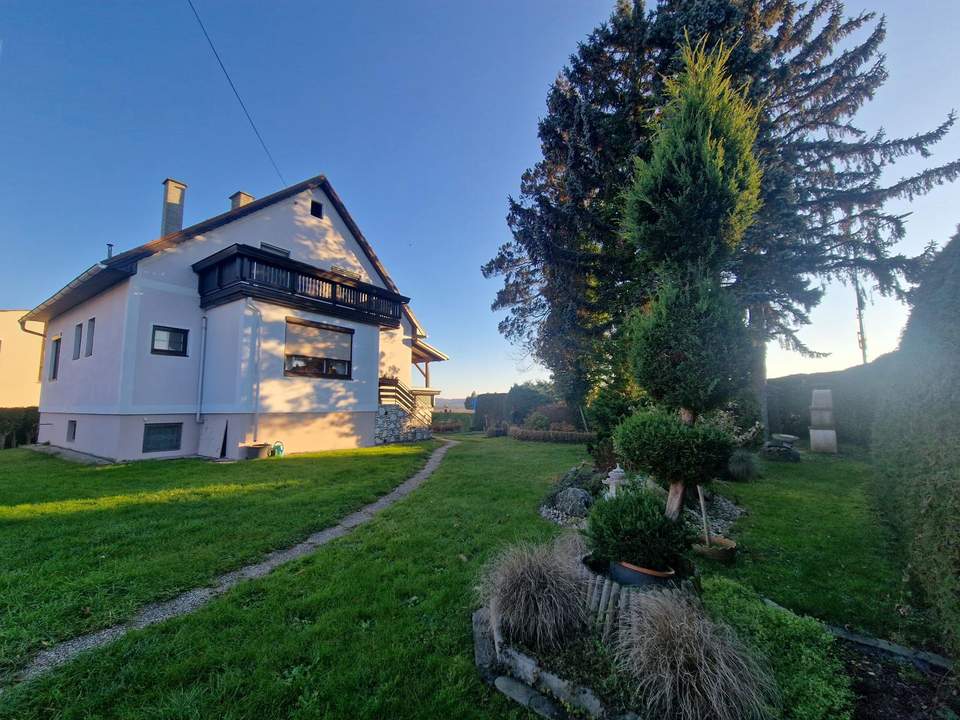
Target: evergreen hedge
{"x":18,"y":426}
{"x":557,"y":436}
{"x":916,"y":440}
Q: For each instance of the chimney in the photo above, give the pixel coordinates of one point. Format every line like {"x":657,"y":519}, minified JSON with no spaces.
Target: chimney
{"x":173,"y":194}
{"x":239,"y":199}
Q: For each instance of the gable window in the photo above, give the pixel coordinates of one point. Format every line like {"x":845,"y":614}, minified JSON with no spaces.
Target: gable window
{"x":77,"y":340}
{"x":91,"y":324}
{"x":316,"y":209}
{"x":55,"y":358}
{"x":71,"y":430}
{"x":162,"y":437}
{"x":168,"y":341}
{"x":318,"y":350}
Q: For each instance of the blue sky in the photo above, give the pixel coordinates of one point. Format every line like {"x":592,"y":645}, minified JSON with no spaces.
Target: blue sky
{"x":423,"y":115}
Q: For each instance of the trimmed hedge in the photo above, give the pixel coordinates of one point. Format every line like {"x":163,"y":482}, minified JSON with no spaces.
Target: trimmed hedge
{"x":856,"y":392}
{"x":18,"y":426}
{"x":464,"y":420}
{"x":491,"y":409}
{"x":916,"y":441}
{"x":557,"y":436}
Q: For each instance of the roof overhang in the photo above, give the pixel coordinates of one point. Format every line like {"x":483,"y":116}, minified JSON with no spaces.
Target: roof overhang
{"x":93,"y":281}
{"x":425,"y":352}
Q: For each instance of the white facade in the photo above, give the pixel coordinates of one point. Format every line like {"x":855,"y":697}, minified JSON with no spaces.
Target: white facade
{"x":110,"y":394}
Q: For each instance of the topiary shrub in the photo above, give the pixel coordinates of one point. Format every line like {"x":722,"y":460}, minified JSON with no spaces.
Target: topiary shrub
{"x":742,"y":466}
{"x":687,"y":667}
{"x":631,"y":527}
{"x":536,"y":594}
{"x":659,"y":443}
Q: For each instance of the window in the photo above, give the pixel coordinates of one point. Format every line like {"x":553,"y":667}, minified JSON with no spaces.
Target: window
{"x":168,"y":341}
{"x":77,"y":340}
{"x":161,"y":437}
{"x":55,"y":358}
{"x":316,"y":209}
{"x":318,"y":350}
{"x":71,"y":430}
{"x":91,"y":324}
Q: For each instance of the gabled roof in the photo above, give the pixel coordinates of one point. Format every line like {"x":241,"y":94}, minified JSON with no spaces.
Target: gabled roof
{"x":111,"y":271}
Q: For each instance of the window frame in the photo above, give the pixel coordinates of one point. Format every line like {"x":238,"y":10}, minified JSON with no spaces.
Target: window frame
{"x":167,"y":328}
{"x":146,"y":426}
{"x":71,"y":431}
{"x":77,"y":340}
{"x":316,"y":209}
{"x":88,"y":346}
{"x":323,"y":364}
{"x":55,"y":347}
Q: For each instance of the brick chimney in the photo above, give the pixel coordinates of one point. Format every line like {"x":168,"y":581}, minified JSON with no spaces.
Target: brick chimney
{"x":239,"y":199}
{"x":174,"y":192}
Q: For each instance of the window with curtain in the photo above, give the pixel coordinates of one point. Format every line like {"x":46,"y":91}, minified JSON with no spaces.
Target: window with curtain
{"x":318,"y":350}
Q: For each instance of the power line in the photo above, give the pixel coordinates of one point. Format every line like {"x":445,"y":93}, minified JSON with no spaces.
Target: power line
{"x":236,"y":92}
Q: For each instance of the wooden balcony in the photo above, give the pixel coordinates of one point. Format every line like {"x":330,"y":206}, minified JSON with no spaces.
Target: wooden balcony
{"x":245,"y":271}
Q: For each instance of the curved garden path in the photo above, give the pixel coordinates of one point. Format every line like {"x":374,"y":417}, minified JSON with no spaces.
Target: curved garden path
{"x":192,"y":600}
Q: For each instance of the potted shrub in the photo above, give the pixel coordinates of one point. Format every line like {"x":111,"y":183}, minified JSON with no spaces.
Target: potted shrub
{"x":637,"y":542}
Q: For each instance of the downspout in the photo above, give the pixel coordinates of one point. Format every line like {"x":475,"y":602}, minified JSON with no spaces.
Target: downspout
{"x":256,"y":365}
{"x":203,"y":363}
{"x":43,"y":346}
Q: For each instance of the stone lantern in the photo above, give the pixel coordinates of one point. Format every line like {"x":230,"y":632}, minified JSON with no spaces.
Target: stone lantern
{"x":823,"y":433}
{"x":615,"y":479}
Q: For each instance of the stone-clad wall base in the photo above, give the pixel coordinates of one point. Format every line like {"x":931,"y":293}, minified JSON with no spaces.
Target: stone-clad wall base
{"x":395,"y":425}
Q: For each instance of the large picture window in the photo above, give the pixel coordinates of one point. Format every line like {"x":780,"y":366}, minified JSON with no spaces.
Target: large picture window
{"x":318,"y":350}
{"x":168,"y":341}
{"x":162,"y":437}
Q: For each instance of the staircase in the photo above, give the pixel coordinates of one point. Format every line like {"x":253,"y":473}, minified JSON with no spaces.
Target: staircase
{"x":416,"y":404}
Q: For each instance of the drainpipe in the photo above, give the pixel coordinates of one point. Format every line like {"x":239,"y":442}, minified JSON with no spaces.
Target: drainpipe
{"x":43,"y":345}
{"x":256,"y":366}
{"x":203,"y":363}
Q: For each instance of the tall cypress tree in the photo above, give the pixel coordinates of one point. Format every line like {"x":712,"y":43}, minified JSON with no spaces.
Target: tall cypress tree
{"x":568,"y":275}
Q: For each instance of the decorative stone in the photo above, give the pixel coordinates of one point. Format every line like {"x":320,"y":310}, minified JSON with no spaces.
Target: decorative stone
{"x":574,"y":502}
{"x":614,"y":480}
{"x":779,"y":453}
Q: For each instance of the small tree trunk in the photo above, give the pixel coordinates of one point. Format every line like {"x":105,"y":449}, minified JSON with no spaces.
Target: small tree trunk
{"x":758,"y":370}
{"x":674,"y":500}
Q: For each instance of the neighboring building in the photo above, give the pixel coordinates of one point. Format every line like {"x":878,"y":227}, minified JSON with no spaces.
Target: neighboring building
{"x":275,"y":321}
{"x":19,"y":361}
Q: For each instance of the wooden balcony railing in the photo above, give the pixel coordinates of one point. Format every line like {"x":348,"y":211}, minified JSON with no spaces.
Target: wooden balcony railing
{"x":245,"y":271}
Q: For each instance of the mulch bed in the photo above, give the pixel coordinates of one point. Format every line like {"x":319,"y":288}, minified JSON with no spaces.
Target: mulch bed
{"x":888,"y":689}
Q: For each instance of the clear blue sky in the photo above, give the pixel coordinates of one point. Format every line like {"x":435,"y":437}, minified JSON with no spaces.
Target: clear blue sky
{"x":423,"y":115}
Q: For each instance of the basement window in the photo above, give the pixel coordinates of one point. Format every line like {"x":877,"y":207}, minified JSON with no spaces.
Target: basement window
{"x":168,"y":341}
{"x":318,"y":350}
{"x":316,"y":209}
{"x":162,"y":437}
{"x":71,"y":430}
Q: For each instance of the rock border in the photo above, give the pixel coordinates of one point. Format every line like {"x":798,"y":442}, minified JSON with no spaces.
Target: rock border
{"x":524,"y":680}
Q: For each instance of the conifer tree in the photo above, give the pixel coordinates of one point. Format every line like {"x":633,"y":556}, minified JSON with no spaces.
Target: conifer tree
{"x":569,"y":277}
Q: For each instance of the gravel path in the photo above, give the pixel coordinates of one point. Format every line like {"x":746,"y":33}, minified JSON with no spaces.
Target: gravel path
{"x":192,"y":600}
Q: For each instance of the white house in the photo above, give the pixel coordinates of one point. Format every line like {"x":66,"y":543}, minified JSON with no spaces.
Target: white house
{"x":273,"y":322}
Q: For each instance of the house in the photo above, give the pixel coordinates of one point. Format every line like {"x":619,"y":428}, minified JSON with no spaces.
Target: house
{"x":19,"y":361}
{"x":273,"y":322}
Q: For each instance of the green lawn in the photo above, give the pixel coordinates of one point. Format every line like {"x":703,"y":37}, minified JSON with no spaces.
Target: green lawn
{"x":813,"y":542}
{"x":374,"y":625}
{"x":84,"y":547}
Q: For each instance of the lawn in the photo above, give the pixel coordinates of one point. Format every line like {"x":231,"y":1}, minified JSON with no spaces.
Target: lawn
{"x":374,"y":625}
{"x":83,"y":547}
{"x":813,"y":541}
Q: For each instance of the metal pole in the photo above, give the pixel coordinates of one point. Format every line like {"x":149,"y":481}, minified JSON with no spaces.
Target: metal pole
{"x":861,"y":334}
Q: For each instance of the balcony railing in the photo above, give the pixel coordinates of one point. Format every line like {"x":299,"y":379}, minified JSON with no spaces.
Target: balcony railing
{"x":245,"y":271}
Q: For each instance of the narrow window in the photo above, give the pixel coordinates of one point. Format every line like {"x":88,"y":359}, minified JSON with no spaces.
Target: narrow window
{"x":318,"y":350}
{"x":168,"y":341}
{"x":161,"y":437}
{"x":316,"y":209}
{"x":55,"y":358}
{"x":71,"y":430}
{"x":77,"y":340}
{"x":91,"y":324}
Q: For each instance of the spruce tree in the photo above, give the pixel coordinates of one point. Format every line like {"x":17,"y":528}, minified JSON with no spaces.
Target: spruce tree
{"x":568,"y":274}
